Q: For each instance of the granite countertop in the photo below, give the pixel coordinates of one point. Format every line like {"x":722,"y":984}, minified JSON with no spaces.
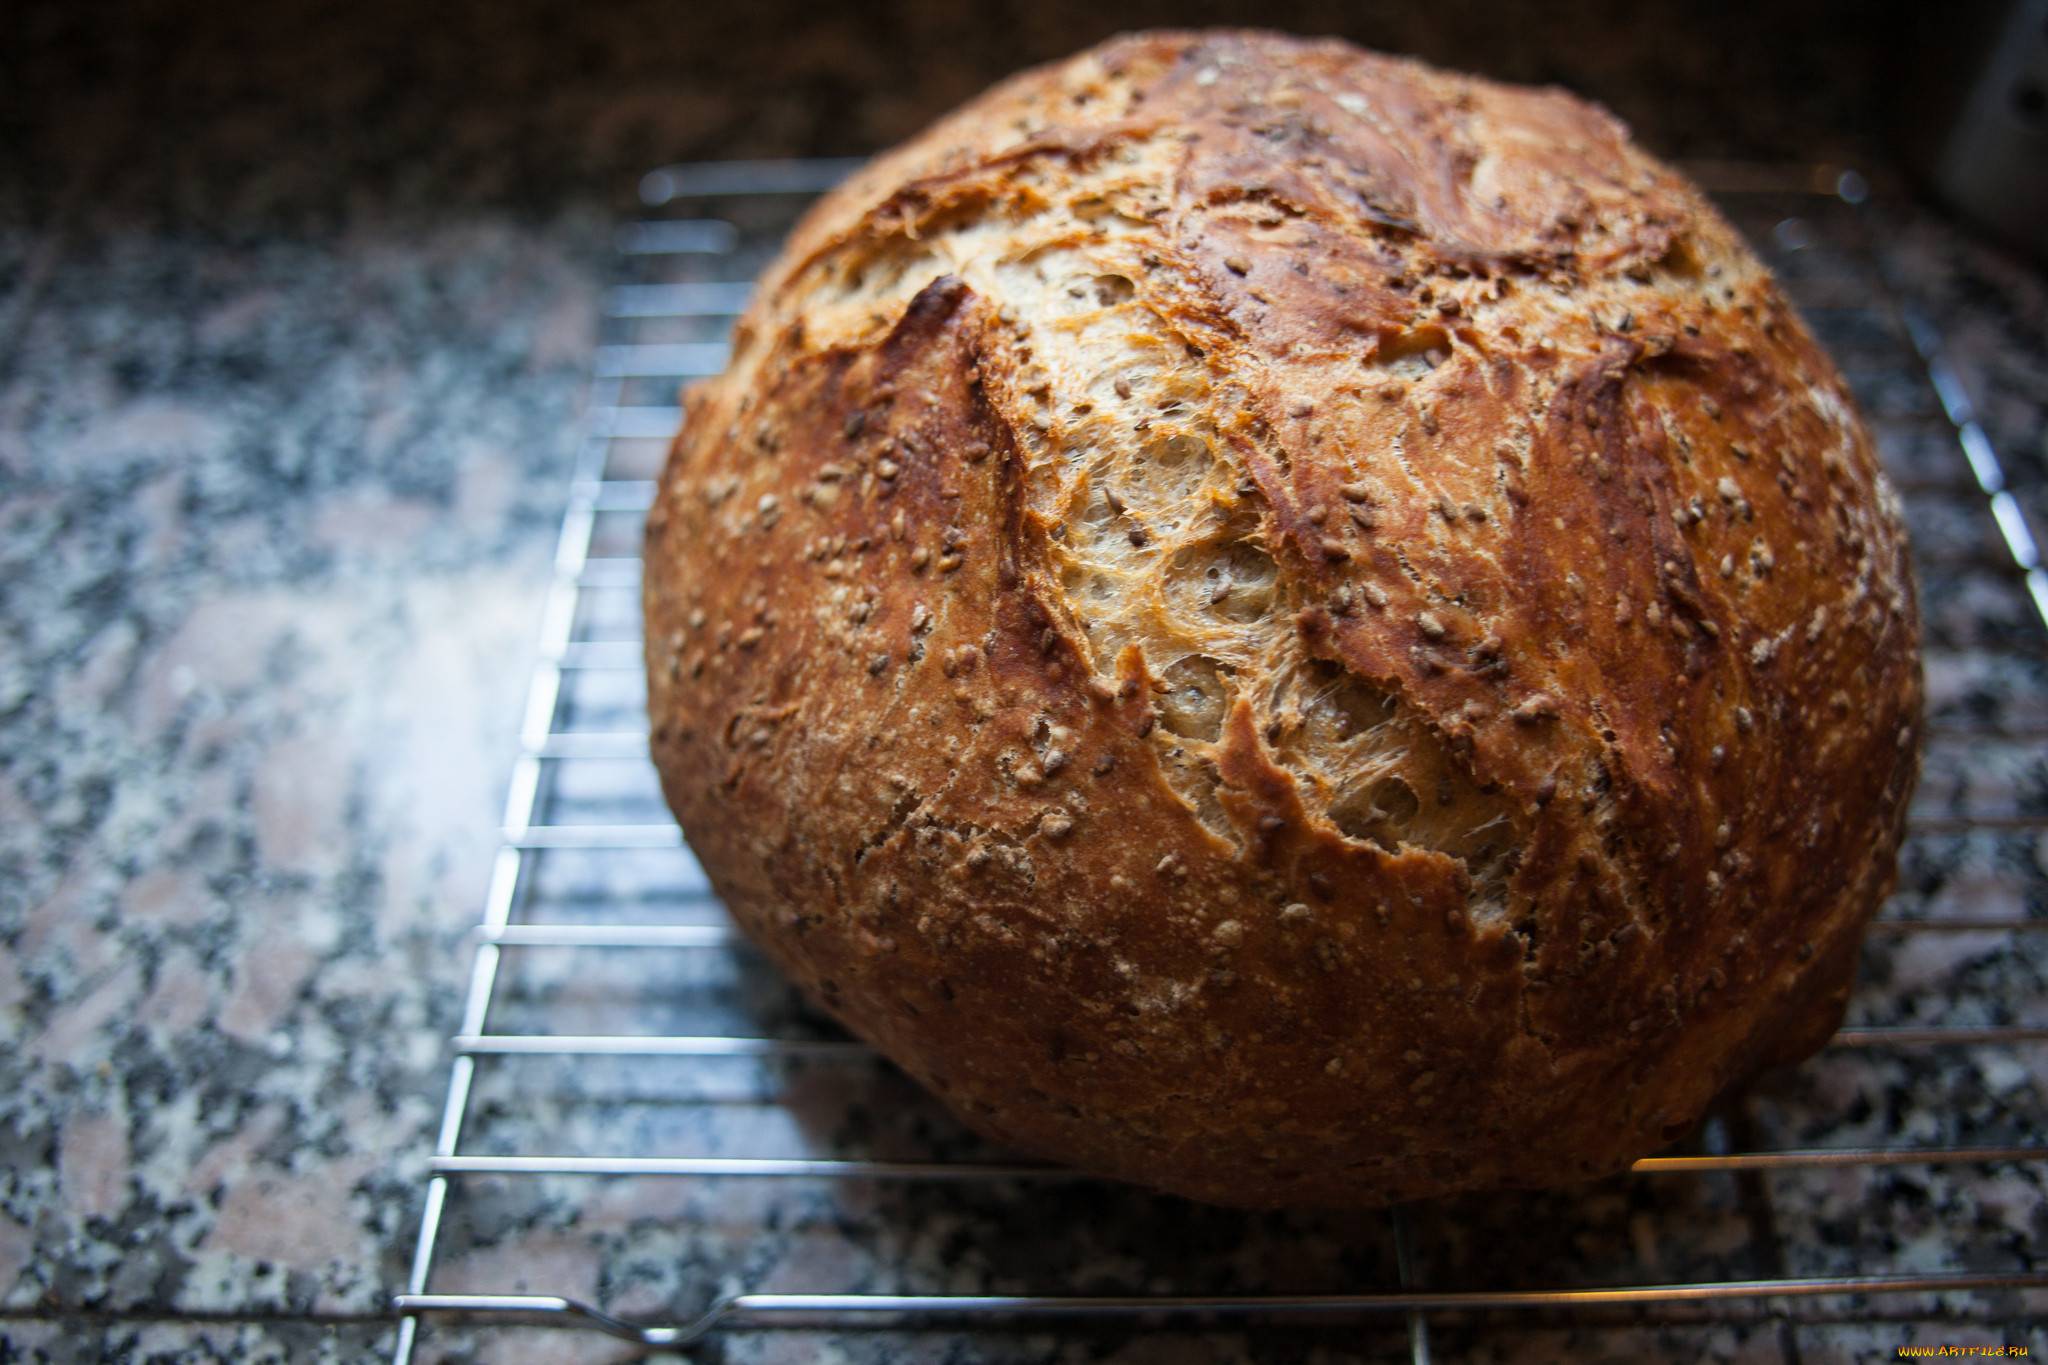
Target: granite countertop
{"x":275,"y":533}
{"x":295,"y":323}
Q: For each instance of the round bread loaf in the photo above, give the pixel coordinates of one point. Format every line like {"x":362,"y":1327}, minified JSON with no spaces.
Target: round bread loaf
{"x":1288,"y":626}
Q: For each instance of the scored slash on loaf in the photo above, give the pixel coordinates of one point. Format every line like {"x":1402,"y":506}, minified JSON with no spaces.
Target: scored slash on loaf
{"x":1289,"y":626}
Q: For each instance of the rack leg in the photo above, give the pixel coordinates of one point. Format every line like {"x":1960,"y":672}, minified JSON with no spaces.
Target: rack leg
{"x":1411,"y":1278}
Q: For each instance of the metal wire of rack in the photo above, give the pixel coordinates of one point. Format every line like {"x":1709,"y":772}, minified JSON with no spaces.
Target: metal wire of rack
{"x":588,"y":848}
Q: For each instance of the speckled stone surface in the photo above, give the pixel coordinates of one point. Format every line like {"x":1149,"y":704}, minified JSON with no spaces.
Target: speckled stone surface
{"x":273,"y":531}
{"x":295,"y":320}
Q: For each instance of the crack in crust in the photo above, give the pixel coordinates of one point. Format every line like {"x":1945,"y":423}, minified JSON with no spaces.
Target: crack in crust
{"x":1241,"y":597}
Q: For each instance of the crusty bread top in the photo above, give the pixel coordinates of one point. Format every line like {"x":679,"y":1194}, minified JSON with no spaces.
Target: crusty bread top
{"x":1416,"y":443}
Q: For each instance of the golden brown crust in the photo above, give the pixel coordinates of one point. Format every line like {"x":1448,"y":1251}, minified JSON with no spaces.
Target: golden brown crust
{"x":1288,"y":626}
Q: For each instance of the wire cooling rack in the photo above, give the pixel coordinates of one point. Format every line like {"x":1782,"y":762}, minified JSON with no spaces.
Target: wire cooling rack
{"x":648,"y":1134}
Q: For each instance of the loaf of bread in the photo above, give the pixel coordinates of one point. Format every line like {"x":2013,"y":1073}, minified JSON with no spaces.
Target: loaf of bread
{"x":1288,"y":626}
